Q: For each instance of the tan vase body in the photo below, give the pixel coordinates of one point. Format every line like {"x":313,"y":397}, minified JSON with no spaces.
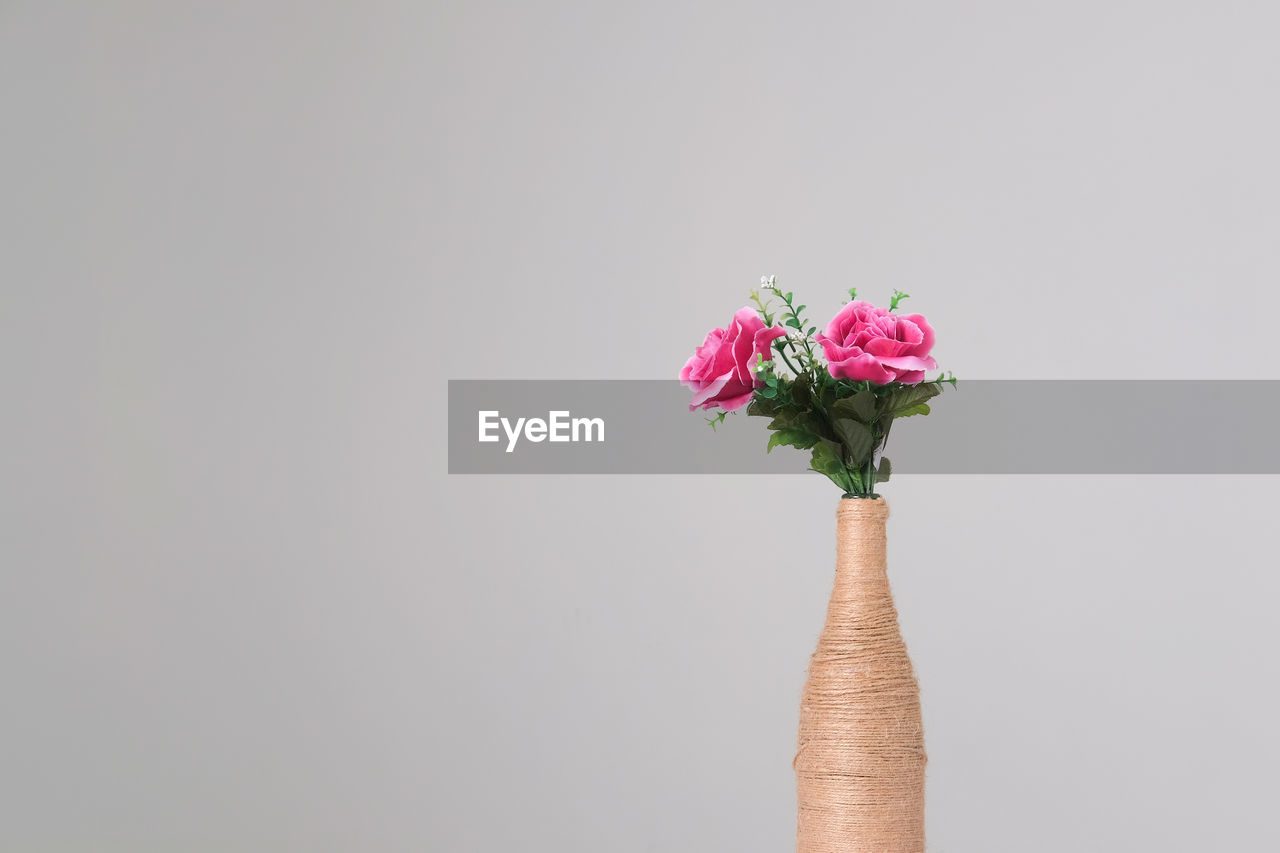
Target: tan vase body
{"x":860,"y":760}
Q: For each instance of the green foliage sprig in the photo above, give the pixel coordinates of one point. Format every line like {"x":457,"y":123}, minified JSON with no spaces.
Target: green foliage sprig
{"x":843,"y":424}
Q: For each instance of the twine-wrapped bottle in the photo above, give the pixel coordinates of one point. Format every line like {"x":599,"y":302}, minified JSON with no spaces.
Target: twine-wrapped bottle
{"x":860,"y":760}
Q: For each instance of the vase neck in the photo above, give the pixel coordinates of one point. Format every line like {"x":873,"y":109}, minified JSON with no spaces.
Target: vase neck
{"x":861,"y":541}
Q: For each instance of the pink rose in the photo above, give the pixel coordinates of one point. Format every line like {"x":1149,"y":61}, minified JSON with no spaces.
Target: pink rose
{"x":866,"y":342}
{"x":719,"y":374}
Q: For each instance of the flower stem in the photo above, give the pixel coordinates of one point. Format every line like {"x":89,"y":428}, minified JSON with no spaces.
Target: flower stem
{"x":788,"y":362}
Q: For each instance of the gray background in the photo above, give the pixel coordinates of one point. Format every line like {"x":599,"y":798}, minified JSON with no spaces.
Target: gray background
{"x":242,"y":246}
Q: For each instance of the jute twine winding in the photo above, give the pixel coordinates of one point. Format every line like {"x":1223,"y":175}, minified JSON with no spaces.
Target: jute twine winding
{"x":860,"y":762}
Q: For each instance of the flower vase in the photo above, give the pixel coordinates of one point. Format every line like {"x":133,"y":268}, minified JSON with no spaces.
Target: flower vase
{"x":860,"y":759}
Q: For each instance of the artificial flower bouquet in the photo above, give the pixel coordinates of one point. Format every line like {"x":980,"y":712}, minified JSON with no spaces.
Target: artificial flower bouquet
{"x":838,"y":391}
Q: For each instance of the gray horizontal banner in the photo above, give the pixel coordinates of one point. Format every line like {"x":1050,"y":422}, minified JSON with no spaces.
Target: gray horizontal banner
{"x":979,"y":427}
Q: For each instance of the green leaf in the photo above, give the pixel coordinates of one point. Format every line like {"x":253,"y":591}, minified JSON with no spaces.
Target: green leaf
{"x":883,"y":470}
{"x":826,"y":460}
{"x":858,"y":441}
{"x":922,"y":409}
{"x":908,"y":397}
{"x":788,"y":418}
{"x":826,"y":394}
{"x":861,"y":407}
{"x":801,"y":393}
{"x":799,"y":438}
{"x":767,"y":392}
{"x":794,"y":323}
{"x":761,"y":408}
{"x":819,"y":425}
